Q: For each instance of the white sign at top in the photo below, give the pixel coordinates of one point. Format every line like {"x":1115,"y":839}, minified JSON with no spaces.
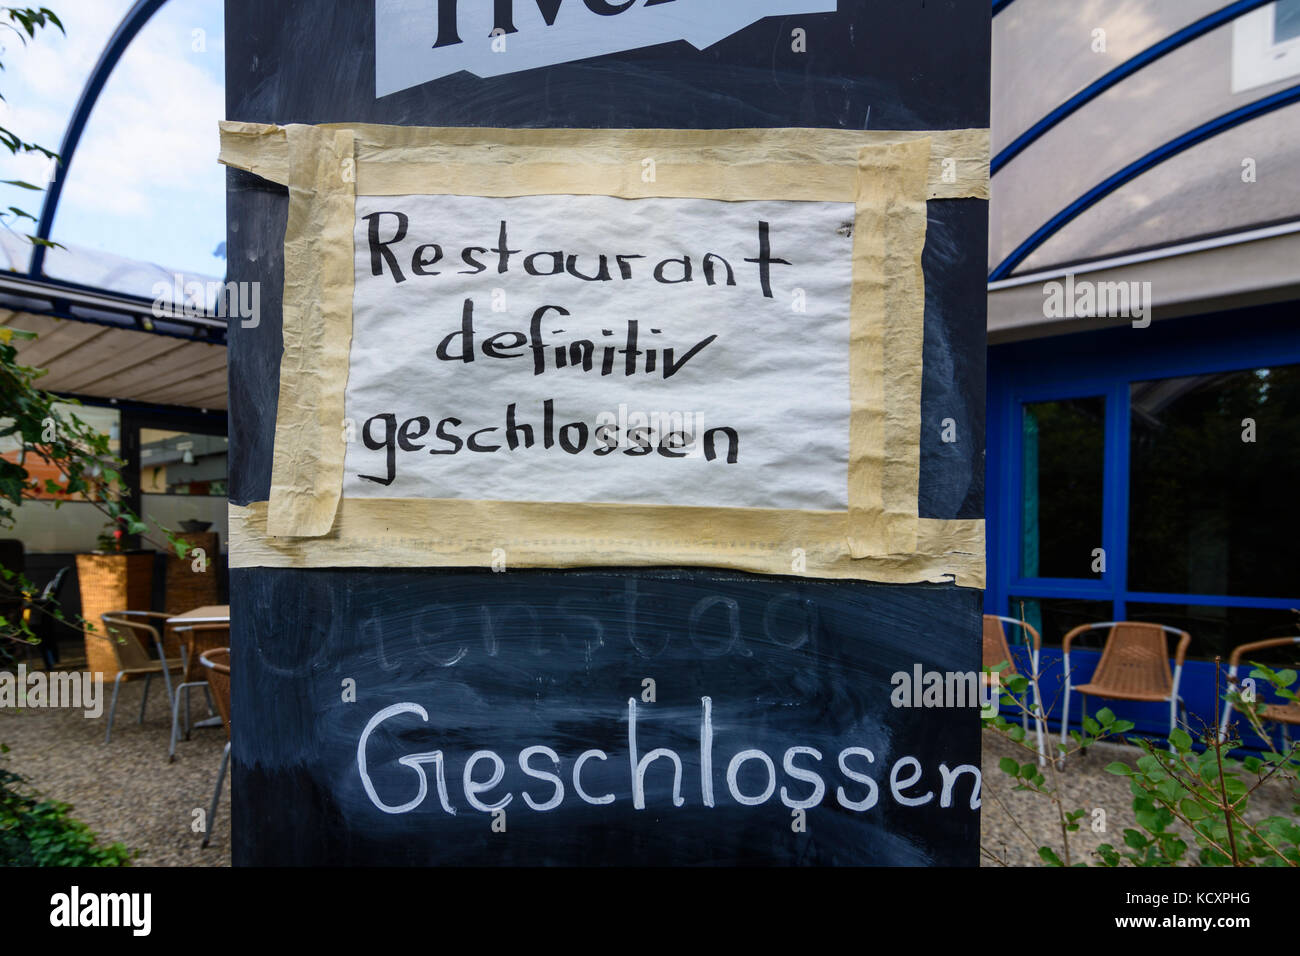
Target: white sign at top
{"x":421,"y":40}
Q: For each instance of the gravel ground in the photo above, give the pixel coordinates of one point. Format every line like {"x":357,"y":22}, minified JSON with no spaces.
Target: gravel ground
{"x":126,"y":790}
{"x":1010,"y":819}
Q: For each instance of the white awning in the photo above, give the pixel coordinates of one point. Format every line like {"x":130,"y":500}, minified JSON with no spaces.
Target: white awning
{"x":83,"y":358}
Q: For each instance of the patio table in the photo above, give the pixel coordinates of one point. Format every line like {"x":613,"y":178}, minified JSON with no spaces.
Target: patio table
{"x":208,"y":614}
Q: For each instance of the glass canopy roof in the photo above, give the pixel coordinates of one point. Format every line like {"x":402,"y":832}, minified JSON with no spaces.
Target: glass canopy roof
{"x":1127,"y":125}
{"x":1117,"y":126}
{"x":143,"y":183}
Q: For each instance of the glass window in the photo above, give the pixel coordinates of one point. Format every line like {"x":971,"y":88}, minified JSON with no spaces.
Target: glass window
{"x":1212,"y":501}
{"x":1217,"y":630}
{"x":1286,"y":20}
{"x":104,"y":420}
{"x":75,"y":525}
{"x":1063,"y":446}
{"x":182,"y":463}
{"x":183,"y":481}
{"x":1266,"y":45}
{"x":1053,"y":618}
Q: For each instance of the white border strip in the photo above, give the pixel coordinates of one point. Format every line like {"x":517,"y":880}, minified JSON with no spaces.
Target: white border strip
{"x":1165,"y":252}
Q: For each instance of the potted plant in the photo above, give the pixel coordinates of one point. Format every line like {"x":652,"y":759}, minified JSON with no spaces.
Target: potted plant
{"x":186,"y":586}
{"x":113,"y":578}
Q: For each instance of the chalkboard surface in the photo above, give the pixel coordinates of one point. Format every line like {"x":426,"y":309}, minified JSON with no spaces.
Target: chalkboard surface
{"x":550,"y":659}
{"x":453,"y":665}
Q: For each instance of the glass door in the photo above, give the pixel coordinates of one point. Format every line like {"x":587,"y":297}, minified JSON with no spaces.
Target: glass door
{"x":1066,"y":553}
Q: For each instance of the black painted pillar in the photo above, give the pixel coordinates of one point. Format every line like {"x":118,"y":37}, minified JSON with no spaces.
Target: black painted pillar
{"x":552,"y":657}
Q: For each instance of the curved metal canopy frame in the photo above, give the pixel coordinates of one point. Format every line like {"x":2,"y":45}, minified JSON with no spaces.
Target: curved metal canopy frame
{"x":126,"y":31}
{"x":65,"y":298}
{"x":1122,"y":72}
{"x":1136,"y":168}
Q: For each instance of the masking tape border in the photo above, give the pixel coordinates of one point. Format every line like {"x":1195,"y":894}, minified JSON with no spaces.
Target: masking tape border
{"x":883,"y":524}
{"x":887,"y":323}
{"x":307,"y":463}
{"x":958,"y":160}
{"x":385,"y":533}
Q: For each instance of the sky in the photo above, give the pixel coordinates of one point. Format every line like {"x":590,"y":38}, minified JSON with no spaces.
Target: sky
{"x":144,"y":182}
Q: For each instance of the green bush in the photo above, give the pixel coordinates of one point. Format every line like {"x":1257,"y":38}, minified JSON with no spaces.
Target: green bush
{"x":1194,"y":782}
{"x":38,"y":832}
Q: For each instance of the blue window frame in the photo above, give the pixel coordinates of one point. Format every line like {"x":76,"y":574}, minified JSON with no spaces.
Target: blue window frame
{"x":1106,"y":363}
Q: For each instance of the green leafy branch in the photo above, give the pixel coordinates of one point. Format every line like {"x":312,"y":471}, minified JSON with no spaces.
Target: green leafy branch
{"x":1194,"y":782}
{"x":80,"y":454}
{"x":24,"y":22}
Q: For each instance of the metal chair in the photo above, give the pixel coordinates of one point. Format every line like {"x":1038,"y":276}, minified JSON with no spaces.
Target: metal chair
{"x":217,"y":663}
{"x":195,"y":639}
{"x":996,"y":651}
{"x":1286,"y":714}
{"x":123,"y":642}
{"x":1134,"y":665}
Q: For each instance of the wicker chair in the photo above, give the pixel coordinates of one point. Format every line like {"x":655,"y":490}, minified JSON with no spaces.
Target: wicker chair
{"x":195,"y":639}
{"x":122,"y":648}
{"x":1134,"y":665}
{"x":217,"y":664}
{"x":996,"y":652}
{"x":1286,"y":714}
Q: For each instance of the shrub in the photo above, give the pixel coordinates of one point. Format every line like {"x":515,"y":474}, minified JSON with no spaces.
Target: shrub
{"x":39,"y":832}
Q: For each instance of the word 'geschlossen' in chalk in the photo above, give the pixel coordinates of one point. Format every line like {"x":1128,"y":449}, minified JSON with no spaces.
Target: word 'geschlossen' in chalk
{"x":564,"y":774}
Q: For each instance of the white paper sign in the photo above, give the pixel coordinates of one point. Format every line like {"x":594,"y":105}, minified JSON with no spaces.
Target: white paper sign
{"x":596,"y":349}
{"x":421,"y":40}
